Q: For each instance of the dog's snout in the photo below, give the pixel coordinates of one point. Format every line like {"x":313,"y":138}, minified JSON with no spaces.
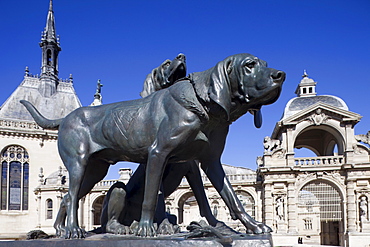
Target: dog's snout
{"x":278,"y":75}
{"x":181,"y":57}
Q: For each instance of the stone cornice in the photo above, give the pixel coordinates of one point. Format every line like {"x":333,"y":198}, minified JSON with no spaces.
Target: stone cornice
{"x":25,"y":129}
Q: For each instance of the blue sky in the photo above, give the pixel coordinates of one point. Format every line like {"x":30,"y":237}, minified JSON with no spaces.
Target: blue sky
{"x":120,"y":42}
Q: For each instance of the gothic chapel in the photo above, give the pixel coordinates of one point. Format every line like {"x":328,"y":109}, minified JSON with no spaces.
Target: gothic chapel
{"x":25,"y":147}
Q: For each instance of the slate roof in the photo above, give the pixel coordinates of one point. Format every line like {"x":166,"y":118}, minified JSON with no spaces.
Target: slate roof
{"x":57,"y":106}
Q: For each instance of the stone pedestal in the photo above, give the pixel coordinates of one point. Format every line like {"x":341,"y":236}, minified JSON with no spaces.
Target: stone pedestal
{"x":281,"y":227}
{"x":365,"y":226}
{"x":109,"y":240}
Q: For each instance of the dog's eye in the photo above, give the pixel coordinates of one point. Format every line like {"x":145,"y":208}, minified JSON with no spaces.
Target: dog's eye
{"x":166,"y":65}
{"x":250,"y":64}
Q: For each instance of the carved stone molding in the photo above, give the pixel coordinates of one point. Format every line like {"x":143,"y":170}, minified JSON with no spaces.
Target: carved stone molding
{"x":279,"y":153}
{"x":360,"y":149}
{"x":333,"y":176}
{"x":270,"y":145}
{"x":318,"y":117}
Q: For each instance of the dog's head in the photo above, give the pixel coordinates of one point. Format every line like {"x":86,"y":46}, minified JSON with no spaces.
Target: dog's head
{"x":165,"y":75}
{"x":244,"y":81}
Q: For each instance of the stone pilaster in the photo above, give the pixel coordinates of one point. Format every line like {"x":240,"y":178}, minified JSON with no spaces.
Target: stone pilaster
{"x":268,"y":205}
{"x":351,"y":206}
{"x":292,"y":209}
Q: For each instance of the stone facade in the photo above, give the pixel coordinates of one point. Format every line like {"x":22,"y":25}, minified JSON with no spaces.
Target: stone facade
{"x":316,"y":199}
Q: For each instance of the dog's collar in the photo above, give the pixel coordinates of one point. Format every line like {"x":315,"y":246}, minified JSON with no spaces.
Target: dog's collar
{"x":190,"y":78}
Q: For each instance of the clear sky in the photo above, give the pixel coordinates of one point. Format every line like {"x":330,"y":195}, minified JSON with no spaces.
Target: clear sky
{"x":120,"y":42}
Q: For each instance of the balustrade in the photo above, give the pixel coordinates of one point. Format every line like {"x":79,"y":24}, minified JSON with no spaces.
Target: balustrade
{"x":317,"y":161}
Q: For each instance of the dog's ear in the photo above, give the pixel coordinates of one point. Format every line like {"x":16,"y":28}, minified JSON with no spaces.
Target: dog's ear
{"x":148,"y":86}
{"x":219,"y":90}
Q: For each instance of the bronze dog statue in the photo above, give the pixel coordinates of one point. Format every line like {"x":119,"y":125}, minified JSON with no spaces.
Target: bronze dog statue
{"x":122,"y":204}
{"x":186,"y":121}
{"x":164,"y":75}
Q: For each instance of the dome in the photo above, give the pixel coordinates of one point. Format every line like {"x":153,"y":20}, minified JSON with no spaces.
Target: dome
{"x":55,"y":178}
{"x":300,"y":103}
{"x":232,"y":170}
{"x":306,"y":96}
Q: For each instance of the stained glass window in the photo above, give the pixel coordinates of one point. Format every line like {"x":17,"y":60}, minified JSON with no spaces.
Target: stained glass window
{"x":4,"y":184}
{"x":14,"y":178}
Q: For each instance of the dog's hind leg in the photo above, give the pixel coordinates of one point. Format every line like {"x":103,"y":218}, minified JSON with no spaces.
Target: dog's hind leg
{"x":59,"y":223}
{"x":76,"y":173}
{"x":82,"y":180}
{"x":195,"y":181}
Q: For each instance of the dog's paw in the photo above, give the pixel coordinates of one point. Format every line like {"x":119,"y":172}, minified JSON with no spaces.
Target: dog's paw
{"x":146,"y":229}
{"x":116,"y":228}
{"x":264,"y":228}
{"x":258,"y":228}
{"x":74,"y":233}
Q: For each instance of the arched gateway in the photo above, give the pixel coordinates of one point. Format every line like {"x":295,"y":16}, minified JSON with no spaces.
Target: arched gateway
{"x":314,"y":198}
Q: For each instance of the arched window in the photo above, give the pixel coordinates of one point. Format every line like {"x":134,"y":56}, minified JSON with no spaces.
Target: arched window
{"x":49,"y":209}
{"x":14,"y":178}
{"x":247,"y":201}
{"x":322,"y":201}
{"x":186,"y":202}
{"x":97,"y":208}
{"x":49,"y":59}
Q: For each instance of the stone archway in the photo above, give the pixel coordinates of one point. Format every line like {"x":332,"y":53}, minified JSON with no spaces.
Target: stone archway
{"x":320,"y":212}
{"x":322,"y":140}
{"x":97,"y":207}
{"x":187,"y":204}
{"x":247,"y":201}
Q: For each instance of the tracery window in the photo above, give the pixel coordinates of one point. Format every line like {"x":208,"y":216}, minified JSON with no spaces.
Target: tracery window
{"x":14,"y":178}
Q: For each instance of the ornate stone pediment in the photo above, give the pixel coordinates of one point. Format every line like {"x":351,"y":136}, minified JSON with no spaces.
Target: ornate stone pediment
{"x":319,"y":113}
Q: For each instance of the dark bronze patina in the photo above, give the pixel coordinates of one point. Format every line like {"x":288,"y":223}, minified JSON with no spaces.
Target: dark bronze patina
{"x":186,"y":121}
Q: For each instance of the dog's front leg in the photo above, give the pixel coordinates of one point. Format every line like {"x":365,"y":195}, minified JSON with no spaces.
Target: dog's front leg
{"x":176,"y":128}
{"x":153,"y":177}
{"x":219,"y":180}
{"x":211,"y":165}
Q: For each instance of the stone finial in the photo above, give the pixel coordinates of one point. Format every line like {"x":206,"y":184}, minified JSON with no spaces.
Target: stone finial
{"x":26,"y":71}
{"x":41,"y":176}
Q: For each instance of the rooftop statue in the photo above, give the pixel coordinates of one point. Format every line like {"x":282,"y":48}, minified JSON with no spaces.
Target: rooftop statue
{"x":186,"y":121}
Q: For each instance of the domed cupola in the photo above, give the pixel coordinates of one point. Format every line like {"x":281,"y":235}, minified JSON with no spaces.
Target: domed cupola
{"x":307,"y":96}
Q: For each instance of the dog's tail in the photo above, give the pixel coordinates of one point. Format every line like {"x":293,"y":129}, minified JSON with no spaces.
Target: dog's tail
{"x":40,"y":119}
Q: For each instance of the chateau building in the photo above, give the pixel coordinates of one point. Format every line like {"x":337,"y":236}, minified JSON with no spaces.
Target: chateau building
{"x":321,"y":199}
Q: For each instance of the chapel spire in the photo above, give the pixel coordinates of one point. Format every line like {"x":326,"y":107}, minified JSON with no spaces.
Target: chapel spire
{"x":50,"y":49}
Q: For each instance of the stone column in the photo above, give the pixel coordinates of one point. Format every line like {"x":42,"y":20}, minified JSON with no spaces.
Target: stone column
{"x":290,"y":148}
{"x":292,"y":209}
{"x":351,"y":206}
{"x":39,"y":209}
{"x":81,"y":213}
